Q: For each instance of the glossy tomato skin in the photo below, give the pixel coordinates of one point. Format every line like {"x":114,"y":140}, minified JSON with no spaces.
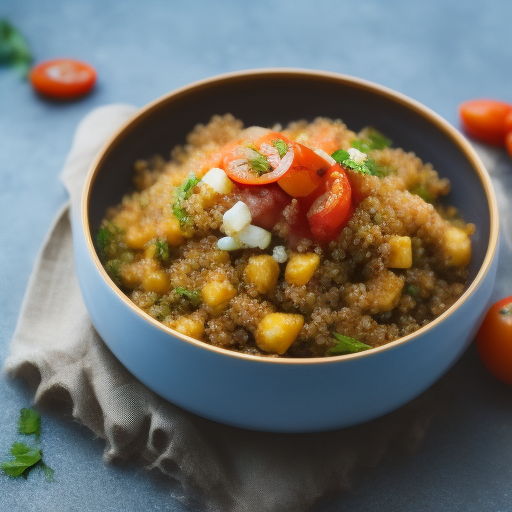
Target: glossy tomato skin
{"x":508,"y":142}
{"x":484,"y":119}
{"x":63,"y":78}
{"x":494,"y":340}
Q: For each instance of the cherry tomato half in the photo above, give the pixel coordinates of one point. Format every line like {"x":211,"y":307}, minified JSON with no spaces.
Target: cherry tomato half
{"x":296,"y":172}
{"x":494,"y":340}
{"x":331,"y":210}
{"x":63,"y":78}
{"x":484,"y":119}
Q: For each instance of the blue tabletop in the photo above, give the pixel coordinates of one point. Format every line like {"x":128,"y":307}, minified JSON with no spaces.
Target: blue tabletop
{"x":439,"y":52}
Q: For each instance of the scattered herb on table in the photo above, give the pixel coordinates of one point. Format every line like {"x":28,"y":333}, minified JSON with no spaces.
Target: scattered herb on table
{"x":14,"y":48}
{"x":27,"y":455}
{"x":346,"y":345}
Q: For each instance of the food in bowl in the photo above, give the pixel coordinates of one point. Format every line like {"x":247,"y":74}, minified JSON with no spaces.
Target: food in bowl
{"x":304,"y":241}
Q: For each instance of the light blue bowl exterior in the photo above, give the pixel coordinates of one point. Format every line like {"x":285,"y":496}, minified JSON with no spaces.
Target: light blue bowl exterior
{"x":279,"y":395}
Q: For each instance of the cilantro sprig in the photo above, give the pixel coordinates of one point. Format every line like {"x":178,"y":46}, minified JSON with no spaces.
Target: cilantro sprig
{"x":346,"y":345}
{"x":369,"y":166}
{"x":14,"y":48}
{"x":27,"y":456}
{"x":181,"y":193}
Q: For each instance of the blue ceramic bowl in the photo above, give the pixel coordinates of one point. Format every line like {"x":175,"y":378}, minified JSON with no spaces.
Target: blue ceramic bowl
{"x":286,"y":395}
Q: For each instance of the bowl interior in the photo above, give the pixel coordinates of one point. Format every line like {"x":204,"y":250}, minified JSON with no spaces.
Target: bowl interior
{"x":267,"y":97}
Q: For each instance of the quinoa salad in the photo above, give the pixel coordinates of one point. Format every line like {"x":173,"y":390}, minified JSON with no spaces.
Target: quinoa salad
{"x":308,"y":240}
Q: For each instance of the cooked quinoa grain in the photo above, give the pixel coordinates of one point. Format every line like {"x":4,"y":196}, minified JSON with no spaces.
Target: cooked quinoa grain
{"x":381,"y":263}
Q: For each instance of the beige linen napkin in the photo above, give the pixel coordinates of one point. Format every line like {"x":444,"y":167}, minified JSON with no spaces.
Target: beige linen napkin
{"x":56,"y":349}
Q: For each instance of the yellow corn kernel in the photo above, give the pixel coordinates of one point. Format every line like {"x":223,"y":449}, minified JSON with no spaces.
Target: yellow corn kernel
{"x":156,"y":281}
{"x":171,"y":230}
{"x":150,"y":252}
{"x":301,"y":267}
{"x":217,"y":294}
{"x":277,"y":331}
{"x":192,"y":327}
{"x":138,"y":236}
{"x":456,"y":247}
{"x":262,"y":271}
{"x":386,"y":290}
{"x":400,"y":255}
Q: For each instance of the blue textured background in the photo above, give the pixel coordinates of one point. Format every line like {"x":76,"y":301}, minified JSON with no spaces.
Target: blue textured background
{"x":439,"y":52}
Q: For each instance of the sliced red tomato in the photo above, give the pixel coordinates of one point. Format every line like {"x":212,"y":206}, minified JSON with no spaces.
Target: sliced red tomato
{"x":63,"y":78}
{"x":298,"y":172}
{"x":484,"y":119}
{"x":332,"y":209}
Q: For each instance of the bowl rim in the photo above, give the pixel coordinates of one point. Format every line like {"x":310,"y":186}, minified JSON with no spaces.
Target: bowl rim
{"x":414,"y":105}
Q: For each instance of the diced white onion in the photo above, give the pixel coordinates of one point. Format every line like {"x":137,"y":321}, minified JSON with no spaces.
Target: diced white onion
{"x":356,"y":155}
{"x":279,"y":254}
{"x":236,"y":218}
{"x":328,"y":158}
{"x":218,"y":180}
{"x":254,"y":236}
{"x":228,"y":243}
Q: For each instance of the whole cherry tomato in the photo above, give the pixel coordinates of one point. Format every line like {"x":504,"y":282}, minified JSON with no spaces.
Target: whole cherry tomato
{"x":484,"y":119}
{"x":494,"y":340}
{"x":63,"y":78}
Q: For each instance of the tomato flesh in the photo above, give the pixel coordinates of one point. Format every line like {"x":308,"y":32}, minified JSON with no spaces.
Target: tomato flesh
{"x":63,"y":78}
{"x":332,"y":209}
{"x":494,"y":340}
{"x":485,"y":119}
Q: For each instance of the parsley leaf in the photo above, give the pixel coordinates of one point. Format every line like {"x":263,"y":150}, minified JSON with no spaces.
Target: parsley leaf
{"x":346,"y":345}
{"x":369,"y":166}
{"x":181,"y":193}
{"x":192,"y":296}
{"x":29,"y":422}
{"x":281,"y":146}
{"x":106,"y":240}
{"x":373,"y":140}
{"x":14,"y":49}
{"x":25,"y":457}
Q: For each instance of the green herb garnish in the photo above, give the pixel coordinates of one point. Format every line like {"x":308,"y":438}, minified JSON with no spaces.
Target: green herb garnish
{"x":258,"y":162}
{"x":281,"y":146}
{"x":423,"y":192}
{"x":181,"y":193}
{"x":106,"y":240}
{"x":29,"y":422}
{"x":113,"y":268}
{"x":412,"y":290}
{"x":26,"y":456}
{"x":373,"y":140}
{"x":369,"y":166}
{"x":192,"y":295}
{"x":162,"y":250}
{"x":346,"y":345}
{"x":14,"y":49}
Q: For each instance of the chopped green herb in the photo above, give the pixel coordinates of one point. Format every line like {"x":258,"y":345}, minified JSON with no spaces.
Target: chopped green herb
{"x":26,"y":456}
{"x":373,"y":140}
{"x":346,"y":345}
{"x":259,"y":163}
{"x":14,"y":49}
{"x":281,"y":146}
{"x":105,"y":240}
{"x":29,"y":422}
{"x":369,"y":166}
{"x":412,"y":290}
{"x":162,"y":250}
{"x":193,"y":296}
{"x":181,"y":193}
{"x":423,"y":192}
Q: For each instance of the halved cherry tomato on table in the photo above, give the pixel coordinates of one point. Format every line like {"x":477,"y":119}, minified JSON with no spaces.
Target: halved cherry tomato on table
{"x":494,"y":340}
{"x":332,"y":209}
{"x":63,"y":78}
{"x":274,"y":158}
{"x":485,"y":119}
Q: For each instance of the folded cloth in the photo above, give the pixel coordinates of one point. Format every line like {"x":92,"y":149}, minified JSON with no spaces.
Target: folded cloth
{"x":56,"y":349}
